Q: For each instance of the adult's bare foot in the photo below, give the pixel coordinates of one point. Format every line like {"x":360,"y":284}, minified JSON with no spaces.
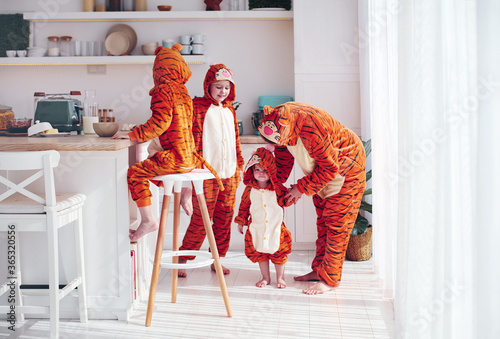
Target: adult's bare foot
{"x":281,"y":283}
{"x":226,"y":271}
{"x":262,"y":283}
{"x":318,"y":288}
{"x":181,"y":273}
{"x":311,"y":276}
{"x":142,"y":230}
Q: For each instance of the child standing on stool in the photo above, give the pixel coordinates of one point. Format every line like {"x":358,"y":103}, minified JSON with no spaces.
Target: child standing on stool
{"x":171,"y":122}
{"x":262,"y":210}
{"x":216,"y":136}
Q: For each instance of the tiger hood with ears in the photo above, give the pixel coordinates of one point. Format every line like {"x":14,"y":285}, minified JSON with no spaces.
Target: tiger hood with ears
{"x":172,"y":114}
{"x":329,"y":144}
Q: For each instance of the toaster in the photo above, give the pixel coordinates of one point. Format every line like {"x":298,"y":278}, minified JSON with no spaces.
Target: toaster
{"x":62,"y":113}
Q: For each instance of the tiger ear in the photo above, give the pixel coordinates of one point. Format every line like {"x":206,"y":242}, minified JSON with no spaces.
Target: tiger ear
{"x":268,"y":110}
{"x":177,"y":47}
{"x":158,"y":49}
{"x":285,"y":114}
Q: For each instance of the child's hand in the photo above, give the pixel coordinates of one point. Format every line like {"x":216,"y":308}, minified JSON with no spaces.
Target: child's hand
{"x":240,"y":228}
{"x":120,"y":135}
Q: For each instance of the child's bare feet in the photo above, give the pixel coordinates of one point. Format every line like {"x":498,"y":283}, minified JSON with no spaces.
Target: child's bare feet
{"x":187,"y":200}
{"x":262,"y":283}
{"x":143,"y":229}
{"x":181,"y":273}
{"x":311,"y":276}
{"x":281,"y":283}
{"x":226,"y":271}
{"x":318,"y":288}
{"x":280,"y":276}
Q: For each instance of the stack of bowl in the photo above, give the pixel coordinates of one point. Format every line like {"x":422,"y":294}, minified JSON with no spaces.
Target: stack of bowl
{"x":149,"y":48}
{"x":36,"y":51}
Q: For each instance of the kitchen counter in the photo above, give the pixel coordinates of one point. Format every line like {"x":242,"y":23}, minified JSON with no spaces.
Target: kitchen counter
{"x":63,"y":143}
{"x":80,"y":143}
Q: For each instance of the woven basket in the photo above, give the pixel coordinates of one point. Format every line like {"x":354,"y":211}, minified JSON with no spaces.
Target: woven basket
{"x":360,"y":246}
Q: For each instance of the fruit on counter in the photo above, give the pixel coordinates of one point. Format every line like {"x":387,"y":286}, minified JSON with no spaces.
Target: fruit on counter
{"x":5,"y":114}
{"x":50,"y":131}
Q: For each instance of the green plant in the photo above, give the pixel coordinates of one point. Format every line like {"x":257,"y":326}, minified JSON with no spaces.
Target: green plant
{"x":286,"y":4}
{"x":362,"y":224}
{"x":236,"y":104}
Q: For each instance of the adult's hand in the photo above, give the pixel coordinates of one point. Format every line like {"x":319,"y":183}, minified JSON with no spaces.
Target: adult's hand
{"x":293,"y":194}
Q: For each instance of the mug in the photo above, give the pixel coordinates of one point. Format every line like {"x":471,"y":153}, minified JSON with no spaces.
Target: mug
{"x":186,"y":39}
{"x":167,"y":43}
{"x":186,"y":49}
{"x":21,"y":53}
{"x":198,"y":48}
{"x":198,"y":39}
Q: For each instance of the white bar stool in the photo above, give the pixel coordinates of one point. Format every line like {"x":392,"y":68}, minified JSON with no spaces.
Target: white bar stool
{"x":25,"y":210}
{"x":197,"y":176}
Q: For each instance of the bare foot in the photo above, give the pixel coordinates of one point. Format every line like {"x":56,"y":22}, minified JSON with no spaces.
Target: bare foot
{"x":187,"y":200}
{"x":311,"y":276}
{"x":262,"y":283}
{"x":318,"y":288}
{"x":143,"y":229}
{"x":226,"y":271}
{"x":181,"y":273}
{"x":281,"y":283}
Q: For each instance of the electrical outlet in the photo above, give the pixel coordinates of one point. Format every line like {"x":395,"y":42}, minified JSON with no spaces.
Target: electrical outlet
{"x":96,"y":69}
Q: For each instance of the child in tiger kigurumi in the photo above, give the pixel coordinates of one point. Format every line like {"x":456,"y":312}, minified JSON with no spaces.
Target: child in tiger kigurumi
{"x":171,"y":122}
{"x":215,"y":131}
{"x":333,"y":160}
{"x":261,"y":209}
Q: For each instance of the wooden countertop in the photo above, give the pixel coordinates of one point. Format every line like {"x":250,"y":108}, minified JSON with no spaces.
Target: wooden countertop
{"x":64,"y":143}
{"x":80,"y":143}
{"x":251,"y":139}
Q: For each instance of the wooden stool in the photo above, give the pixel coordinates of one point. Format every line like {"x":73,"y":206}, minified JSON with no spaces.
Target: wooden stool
{"x":197,"y":176}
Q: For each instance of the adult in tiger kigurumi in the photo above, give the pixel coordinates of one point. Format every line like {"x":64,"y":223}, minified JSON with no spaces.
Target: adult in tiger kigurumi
{"x":215,"y":130}
{"x":333,"y":160}
{"x":170,"y":122}
{"x":262,"y":211}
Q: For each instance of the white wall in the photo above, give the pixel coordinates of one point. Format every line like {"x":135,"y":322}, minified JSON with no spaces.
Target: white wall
{"x":259,"y":52}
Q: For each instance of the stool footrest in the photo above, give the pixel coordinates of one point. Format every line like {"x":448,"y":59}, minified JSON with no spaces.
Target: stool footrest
{"x":166,"y":259}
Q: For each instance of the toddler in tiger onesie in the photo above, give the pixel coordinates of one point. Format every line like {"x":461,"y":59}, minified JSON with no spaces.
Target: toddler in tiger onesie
{"x":170,"y":123}
{"x":332,"y":158}
{"x":261,"y":209}
{"x":216,"y":136}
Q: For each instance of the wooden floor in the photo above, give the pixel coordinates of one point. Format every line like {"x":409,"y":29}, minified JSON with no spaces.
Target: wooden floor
{"x":353,"y":310}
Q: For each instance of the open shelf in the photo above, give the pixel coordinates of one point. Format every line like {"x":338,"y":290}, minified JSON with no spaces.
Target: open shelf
{"x":158,"y":16}
{"x":92,"y":60}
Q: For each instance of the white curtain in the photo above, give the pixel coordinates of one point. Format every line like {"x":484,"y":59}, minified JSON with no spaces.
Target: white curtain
{"x":378,"y":88}
{"x":432,"y":97}
{"x":487,"y":226}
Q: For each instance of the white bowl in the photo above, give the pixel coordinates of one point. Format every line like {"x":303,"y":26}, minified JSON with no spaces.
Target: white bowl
{"x":149,"y":48}
{"x":10,"y":54}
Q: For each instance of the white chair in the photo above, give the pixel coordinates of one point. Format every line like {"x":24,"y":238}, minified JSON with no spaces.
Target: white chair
{"x":174,"y":181}
{"x":22,"y":210}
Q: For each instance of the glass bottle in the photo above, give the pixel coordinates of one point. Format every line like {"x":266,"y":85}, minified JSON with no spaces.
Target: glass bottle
{"x":100,"y":6}
{"x":53,"y":46}
{"x":114,"y":5}
{"x":65,"y":47}
{"x":141,"y":5}
{"x":90,"y":112}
